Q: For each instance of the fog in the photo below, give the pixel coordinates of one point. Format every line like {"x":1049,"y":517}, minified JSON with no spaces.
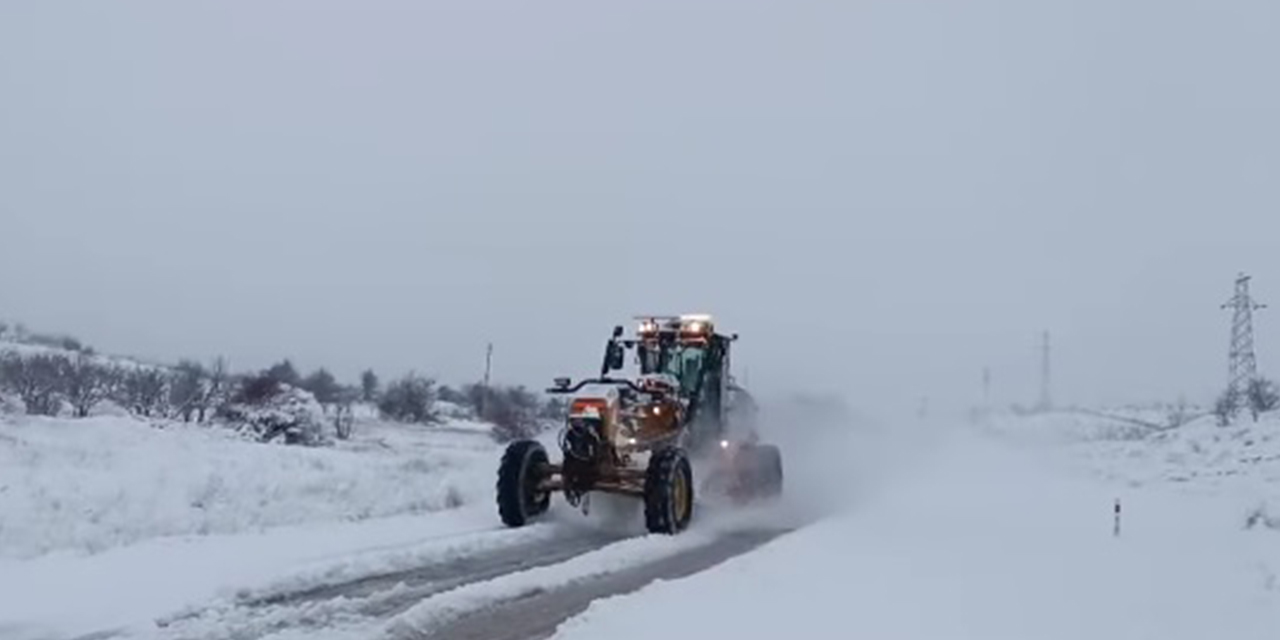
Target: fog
{"x":881,"y":197}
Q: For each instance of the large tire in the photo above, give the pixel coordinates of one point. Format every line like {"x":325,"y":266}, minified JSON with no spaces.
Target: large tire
{"x":518,"y":478}
{"x":769,"y":461}
{"x":668,"y":491}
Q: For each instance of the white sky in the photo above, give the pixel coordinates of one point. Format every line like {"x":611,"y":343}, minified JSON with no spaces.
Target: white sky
{"x":881,"y":196}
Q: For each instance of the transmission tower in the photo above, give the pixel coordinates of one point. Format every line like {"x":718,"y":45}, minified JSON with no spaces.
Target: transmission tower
{"x":1242,"y":364}
{"x":1046,"y":402}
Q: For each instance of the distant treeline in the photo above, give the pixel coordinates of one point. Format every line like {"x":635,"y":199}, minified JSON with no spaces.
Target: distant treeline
{"x":59,"y":375}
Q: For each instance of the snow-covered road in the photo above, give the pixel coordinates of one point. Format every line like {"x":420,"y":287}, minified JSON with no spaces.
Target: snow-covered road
{"x":976,"y":539}
{"x":522,"y":583}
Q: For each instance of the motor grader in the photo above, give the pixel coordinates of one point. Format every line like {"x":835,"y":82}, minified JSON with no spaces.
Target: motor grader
{"x":638,"y":435}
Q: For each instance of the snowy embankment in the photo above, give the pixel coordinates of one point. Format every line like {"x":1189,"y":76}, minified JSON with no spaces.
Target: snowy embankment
{"x":110,"y":521}
{"x":976,"y":536}
{"x":98,"y":483}
{"x":1237,"y":465}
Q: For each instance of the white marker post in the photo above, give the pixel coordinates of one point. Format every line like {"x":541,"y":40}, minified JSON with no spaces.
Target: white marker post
{"x":1116,"y":530}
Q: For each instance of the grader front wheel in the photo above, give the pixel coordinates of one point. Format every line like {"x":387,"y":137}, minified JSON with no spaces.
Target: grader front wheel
{"x":518,"y":476}
{"x":668,"y":491}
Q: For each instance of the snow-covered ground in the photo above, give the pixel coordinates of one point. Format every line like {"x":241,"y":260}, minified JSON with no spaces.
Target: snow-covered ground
{"x":89,"y":485}
{"x":1237,"y":464}
{"x":111,"y":521}
{"x":61,"y":596}
{"x":997,"y":530}
{"x":980,"y":535}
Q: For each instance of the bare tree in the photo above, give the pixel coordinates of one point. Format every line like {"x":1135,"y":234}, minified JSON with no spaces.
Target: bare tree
{"x":218,"y":390}
{"x":144,"y":391}
{"x":187,"y":389}
{"x":37,"y":379}
{"x":86,"y":383}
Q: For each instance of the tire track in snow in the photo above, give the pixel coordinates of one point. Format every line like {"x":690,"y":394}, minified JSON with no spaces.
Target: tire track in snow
{"x":537,"y":613}
{"x":367,"y":599}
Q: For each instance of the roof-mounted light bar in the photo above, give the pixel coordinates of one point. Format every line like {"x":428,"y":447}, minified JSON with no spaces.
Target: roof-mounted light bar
{"x":695,"y":324}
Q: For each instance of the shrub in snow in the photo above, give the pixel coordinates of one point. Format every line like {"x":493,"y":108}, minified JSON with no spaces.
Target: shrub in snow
{"x":1261,"y":395}
{"x":514,"y":414}
{"x":323,"y":386}
{"x":268,"y":409}
{"x":409,"y":399}
{"x":1226,"y":406}
{"x":1261,"y":516}
{"x":285,"y":373}
{"x":369,"y":387}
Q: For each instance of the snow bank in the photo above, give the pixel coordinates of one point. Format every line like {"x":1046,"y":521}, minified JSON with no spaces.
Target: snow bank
{"x":132,"y":588}
{"x":1237,"y":464}
{"x":978,"y":541}
{"x":80,"y":486}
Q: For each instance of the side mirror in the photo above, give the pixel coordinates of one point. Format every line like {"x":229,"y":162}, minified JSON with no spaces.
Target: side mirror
{"x":563,"y":383}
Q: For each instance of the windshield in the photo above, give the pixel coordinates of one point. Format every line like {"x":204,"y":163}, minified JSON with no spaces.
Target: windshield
{"x":684,"y":362}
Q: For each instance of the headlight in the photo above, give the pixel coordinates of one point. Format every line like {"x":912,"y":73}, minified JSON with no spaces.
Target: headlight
{"x":724,"y":444}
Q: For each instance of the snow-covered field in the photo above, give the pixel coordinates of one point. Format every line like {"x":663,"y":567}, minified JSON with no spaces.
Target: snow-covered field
{"x":1007,"y":534}
{"x":1237,"y":464}
{"x":90,"y":485}
{"x":110,"y":520}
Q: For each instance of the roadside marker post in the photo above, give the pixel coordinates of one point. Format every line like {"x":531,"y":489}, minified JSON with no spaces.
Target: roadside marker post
{"x":1115,"y":532}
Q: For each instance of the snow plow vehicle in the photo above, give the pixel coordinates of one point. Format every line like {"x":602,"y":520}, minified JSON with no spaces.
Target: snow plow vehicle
{"x":638,"y":436}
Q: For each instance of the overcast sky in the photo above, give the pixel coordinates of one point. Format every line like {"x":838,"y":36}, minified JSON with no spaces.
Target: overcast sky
{"x":881,"y":196}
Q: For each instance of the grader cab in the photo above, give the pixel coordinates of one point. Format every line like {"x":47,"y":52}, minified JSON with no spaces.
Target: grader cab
{"x":636,"y":435}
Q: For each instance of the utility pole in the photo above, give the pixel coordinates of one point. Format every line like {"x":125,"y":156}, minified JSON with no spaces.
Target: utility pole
{"x":1046,"y":401}
{"x":488,"y":364}
{"x":1242,"y":363}
{"x":488,"y":368}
